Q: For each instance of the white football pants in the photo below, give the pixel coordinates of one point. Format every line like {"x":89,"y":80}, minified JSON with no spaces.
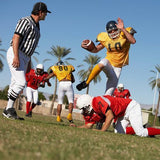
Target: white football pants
{"x":32,"y":94}
{"x":133,"y":116}
{"x":18,"y":80}
{"x":113,"y":74}
{"x":65,"y":88}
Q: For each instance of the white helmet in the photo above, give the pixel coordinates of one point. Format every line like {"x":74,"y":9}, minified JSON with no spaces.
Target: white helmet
{"x":85,"y":102}
{"x":120,"y":85}
{"x":41,"y":67}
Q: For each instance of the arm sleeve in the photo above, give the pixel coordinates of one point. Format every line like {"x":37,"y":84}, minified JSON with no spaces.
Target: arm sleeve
{"x":21,"y":27}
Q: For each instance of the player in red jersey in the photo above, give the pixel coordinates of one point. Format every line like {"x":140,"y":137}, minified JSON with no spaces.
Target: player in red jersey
{"x":127,"y":111}
{"x":34,"y":79}
{"x":90,"y":119}
{"x":121,"y":92}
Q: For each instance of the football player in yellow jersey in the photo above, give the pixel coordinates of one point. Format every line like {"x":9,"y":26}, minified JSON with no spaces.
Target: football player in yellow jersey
{"x":65,"y":78}
{"x":117,"y":41}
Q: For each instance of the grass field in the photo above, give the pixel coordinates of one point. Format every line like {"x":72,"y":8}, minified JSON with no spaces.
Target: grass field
{"x":42,"y":138}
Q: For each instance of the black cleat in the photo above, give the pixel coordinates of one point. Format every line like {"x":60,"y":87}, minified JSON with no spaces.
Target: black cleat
{"x":11,"y":114}
{"x":29,"y":114}
{"x":70,"y":121}
{"x":81,"y":86}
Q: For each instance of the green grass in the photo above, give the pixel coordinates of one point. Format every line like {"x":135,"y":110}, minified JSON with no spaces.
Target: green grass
{"x":42,"y":138}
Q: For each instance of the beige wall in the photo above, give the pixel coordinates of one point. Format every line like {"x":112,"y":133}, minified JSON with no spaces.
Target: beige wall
{"x":44,"y":109}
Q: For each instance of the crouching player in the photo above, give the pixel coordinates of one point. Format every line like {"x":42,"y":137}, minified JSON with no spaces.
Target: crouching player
{"x":106,"y":108}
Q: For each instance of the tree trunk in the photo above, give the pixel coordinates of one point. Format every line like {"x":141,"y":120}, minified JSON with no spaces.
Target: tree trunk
{"x":54,"y":97}
{"x":155,"y":117}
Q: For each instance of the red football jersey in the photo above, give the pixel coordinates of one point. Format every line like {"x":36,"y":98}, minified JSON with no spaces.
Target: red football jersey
{"x":118,"y":106}
{"x":33,"y":80}
{"x":124,"y":94}
{"x":94,"y":118}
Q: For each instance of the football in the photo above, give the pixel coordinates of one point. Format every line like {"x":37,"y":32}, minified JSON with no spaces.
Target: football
{"x":88,"y":45}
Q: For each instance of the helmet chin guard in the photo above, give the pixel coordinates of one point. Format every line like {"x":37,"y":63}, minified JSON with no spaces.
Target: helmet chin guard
{"x":115,"y":34}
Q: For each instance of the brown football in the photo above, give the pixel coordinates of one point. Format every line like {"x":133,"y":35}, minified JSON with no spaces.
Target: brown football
{"x":88,"y":45}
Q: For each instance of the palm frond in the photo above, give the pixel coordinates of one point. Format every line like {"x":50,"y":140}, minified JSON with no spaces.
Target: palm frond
{"x":91,"y":60}
{"x":1,"y":55}
{"x":36,"y":59}
{"x":154,"y":81}
{"x":1,"y":66}
{"x":80,"y":65}
{"x":45,"y":60}
{"x":70,"y":58}
{"x":3,"y":50}
{"x":158,"y":68}
{"x":37,"y":52}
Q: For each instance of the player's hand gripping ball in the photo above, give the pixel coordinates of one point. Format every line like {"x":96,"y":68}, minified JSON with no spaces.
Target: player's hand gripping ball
{"x":88,"y":45}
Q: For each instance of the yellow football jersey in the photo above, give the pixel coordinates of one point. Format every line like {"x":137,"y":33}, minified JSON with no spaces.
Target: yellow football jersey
{"x":117,"y":49}
{"x":63,"y":71}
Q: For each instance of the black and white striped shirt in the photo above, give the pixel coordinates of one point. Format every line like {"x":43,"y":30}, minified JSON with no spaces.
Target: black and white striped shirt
{"x":29,"y":32}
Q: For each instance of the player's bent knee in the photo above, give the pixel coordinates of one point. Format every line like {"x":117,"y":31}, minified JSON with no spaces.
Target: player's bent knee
{"x":142,"y":133}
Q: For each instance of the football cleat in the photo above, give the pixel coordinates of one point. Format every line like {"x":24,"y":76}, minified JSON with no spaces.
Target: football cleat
{"x":69,"y":117}
{"x":59,"y":119}
{"x":29,"y":114}
{"x":70,"y":121}
{"x":11,"y":114}
{"x":81,"y":86}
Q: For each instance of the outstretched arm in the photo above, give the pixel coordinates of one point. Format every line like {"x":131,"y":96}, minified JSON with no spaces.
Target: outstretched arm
{"x":96,"y":48}
{"x":129,"y":36}
{"x":49,"y":76}
{"x":87,"y":126}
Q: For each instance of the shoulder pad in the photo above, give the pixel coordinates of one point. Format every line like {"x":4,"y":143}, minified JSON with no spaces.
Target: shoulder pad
{"x":131,"y":30}
{"x":102,"y":36}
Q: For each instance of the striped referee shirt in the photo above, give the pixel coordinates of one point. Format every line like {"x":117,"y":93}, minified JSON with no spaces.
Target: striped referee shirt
{"x":29,"y":32}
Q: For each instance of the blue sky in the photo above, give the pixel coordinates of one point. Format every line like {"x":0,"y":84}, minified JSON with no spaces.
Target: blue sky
{"x":73,"y":21}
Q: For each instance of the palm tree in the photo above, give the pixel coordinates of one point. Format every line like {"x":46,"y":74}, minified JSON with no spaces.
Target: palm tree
{"x":59,"y":53}
{"x":37,"y":61}
{"x":1,"y":56}
{"x":83,"y":74}
{"x":155,"y":82}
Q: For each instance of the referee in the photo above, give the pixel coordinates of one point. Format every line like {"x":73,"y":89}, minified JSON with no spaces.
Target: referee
{"x":23,"y":44}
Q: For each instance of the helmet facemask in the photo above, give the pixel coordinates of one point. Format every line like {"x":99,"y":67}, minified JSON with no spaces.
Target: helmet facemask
{"x":114,"y":34}
{"x":39,"y":69}
{"x":112,"y":30}
{"x":86,"y":110}
{"x":120,"y":87}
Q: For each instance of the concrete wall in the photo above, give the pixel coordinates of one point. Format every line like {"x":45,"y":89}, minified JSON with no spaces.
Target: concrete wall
{"x":44,"y":109}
